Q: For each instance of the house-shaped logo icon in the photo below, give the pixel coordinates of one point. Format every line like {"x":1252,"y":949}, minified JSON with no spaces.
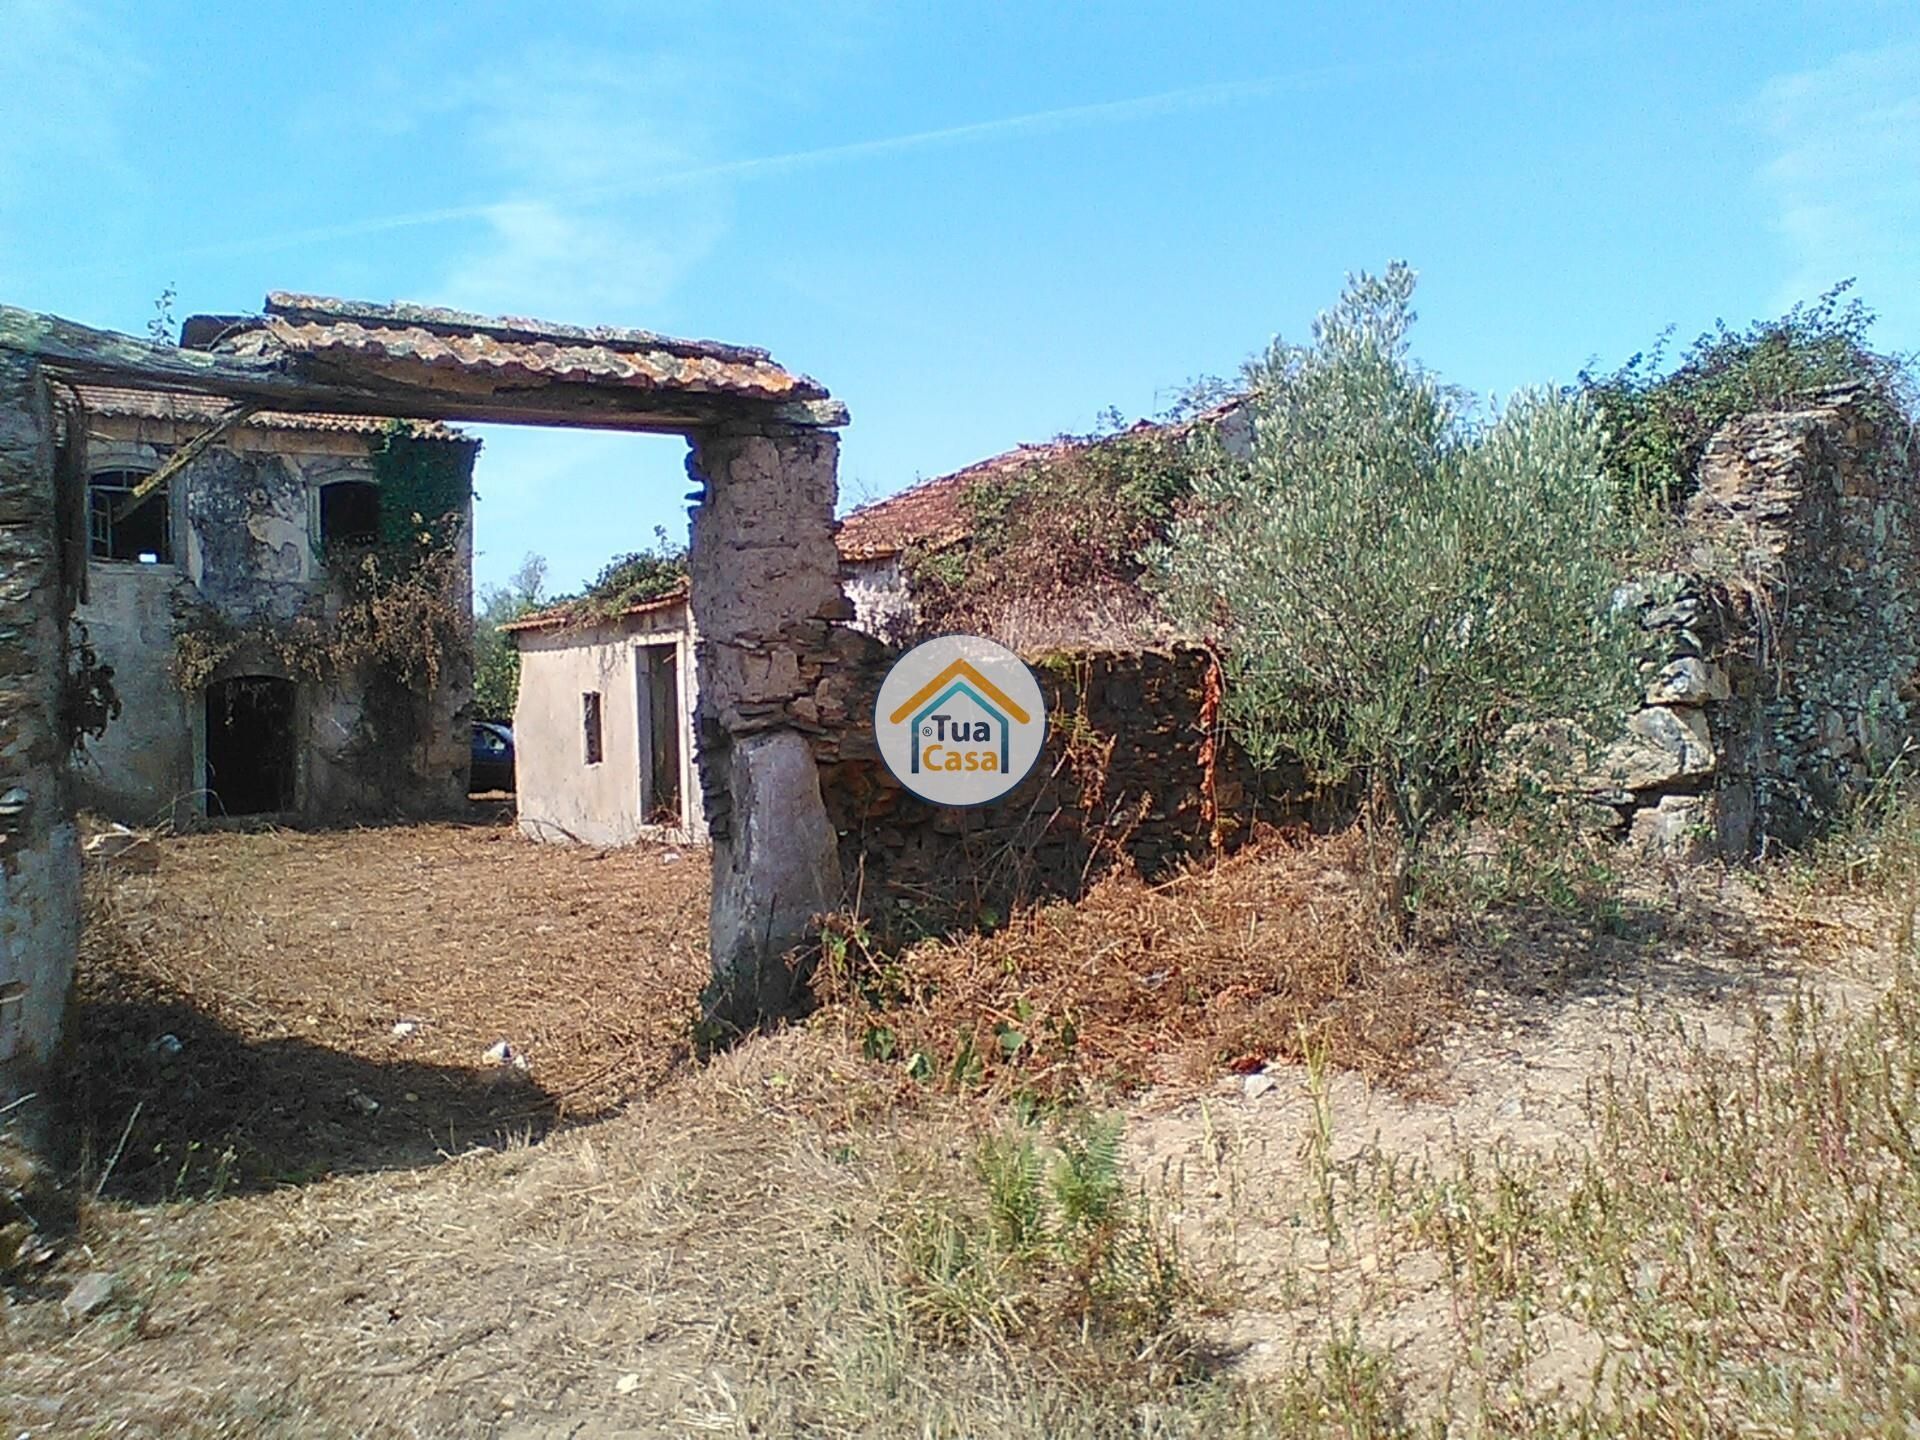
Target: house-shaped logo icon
{"x":959,"y":679}
{"x":960,"y":720}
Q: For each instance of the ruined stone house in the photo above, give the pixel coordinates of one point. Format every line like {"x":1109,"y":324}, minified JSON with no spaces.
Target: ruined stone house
{"x":242,"y":543}
{"x":603,"y":729}
{"x":763,"y":451}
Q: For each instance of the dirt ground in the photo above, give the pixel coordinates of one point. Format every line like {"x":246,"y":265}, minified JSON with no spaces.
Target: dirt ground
{"x":724,"y":1256}
{"x":324,"y":1002}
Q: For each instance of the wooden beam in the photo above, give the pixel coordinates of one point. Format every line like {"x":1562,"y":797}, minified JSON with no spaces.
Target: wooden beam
{"x":183,"y":457}
{"x":293,"y":383}
{"x":82,"y":353}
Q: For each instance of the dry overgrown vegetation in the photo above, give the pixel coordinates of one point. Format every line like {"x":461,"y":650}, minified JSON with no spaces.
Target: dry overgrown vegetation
{"x":1266,"y":954}
{"x":280,"y":964}
{"x":1677,"y":1195}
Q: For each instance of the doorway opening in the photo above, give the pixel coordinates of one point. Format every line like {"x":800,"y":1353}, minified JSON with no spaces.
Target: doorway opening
{"x":250,"y":745}
{"x":658,"y":679}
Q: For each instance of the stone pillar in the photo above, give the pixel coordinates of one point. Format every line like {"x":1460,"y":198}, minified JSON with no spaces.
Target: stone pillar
{"x":39,"y":852}
{"x":765,"y":591}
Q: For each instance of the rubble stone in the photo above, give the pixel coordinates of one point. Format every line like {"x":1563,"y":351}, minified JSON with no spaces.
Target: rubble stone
{"x":1677,"y":828}
{"x":1688,"y":680}
{"x":1662,"y":745}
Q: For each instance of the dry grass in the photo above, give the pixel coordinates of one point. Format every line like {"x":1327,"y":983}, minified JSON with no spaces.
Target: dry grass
{"x":770,"y":1244}
{"x":281,"y":963}
{"x":734,"y":1257}
{"x":1266,"y":955}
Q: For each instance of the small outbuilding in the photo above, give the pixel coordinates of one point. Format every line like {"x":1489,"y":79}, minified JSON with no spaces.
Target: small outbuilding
{"x":602,"y":731}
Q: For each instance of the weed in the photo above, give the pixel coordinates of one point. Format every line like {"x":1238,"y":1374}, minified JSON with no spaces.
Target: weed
{"x":1049,"y":1243}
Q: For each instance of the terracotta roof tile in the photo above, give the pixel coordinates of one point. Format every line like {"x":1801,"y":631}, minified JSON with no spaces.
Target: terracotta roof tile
{"x":504,"y":351}
{"x":557,"y":617}
{"x":120,"y":402}
{"x":933,"y":513}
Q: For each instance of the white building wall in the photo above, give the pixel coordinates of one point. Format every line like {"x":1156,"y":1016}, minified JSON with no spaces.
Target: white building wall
{"x":560,"y":796}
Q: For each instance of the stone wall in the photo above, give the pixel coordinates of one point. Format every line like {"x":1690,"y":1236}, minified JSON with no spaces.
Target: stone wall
{"x":1782,"y":675}
{"x":39,"y":855}
{"x":1785,"y":661}
{"x":1136,"y":768}
{"x":766,"y":603}
{"x":877,"y":590}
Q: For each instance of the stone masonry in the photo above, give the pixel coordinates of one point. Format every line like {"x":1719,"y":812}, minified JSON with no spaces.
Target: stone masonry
{"x":1137,"y":770}
{"x":39,"y":851}
{"x":765,"y":596}
{"x":1785,"y":663}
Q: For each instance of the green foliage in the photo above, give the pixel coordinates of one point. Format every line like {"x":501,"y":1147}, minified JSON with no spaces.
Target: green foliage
{"x":1658,"y":421}
{"x":394,"y":615}
{"x":1395,"y":587}
{"x":89,"y":699}
{"x":1087,"y":1184}
{"x":1047,"y":1236}
{"x":162,"y":328}
{"x":496,"y":660}
{"x":425,"y":487}
{"x":1063,"y":535}
{"x":629,"y":580}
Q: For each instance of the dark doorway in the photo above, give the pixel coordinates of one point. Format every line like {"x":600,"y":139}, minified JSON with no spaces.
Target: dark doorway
{"x":250,"y":745}
{"x":661,"y":676}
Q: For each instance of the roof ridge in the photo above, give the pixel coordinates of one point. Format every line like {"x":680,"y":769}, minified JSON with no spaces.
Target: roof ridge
{"x":441,"y":320}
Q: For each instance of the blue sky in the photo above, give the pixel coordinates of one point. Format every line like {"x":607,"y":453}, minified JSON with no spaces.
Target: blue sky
{"x":977,"y":223}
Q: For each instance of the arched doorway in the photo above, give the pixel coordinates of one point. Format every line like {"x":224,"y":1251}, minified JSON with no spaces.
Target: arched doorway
{"x":250,"y":745}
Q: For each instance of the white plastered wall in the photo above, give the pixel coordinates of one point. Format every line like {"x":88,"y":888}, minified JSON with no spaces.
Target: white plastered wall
{"x":560,"y":796}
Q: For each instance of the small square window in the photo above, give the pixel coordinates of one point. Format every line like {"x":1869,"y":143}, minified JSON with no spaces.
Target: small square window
{"x":349,"y":513}
{"x":590,"y":720}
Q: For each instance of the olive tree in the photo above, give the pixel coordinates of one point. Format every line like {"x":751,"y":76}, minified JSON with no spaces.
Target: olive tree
{"x":1395,"y":586}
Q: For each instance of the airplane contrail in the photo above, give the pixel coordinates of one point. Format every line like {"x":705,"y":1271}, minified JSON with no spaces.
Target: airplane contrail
{"x":1166,"y":102}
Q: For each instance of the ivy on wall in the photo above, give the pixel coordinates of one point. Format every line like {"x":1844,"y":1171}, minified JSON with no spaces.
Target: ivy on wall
{"x":1061,"y":538}
{"x":425,"y":486}
{"x":394,"y":613}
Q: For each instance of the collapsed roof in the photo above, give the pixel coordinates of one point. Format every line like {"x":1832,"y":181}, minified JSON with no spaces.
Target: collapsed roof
{"x":934,"y":514}
{"x":178,"y":407}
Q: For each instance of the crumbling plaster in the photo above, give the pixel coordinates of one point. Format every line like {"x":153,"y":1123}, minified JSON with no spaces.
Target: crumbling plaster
{"x":559,"y":795}
{"x":246,"y":528}
{"x":39,"y":848}
{"x":766,"y":596}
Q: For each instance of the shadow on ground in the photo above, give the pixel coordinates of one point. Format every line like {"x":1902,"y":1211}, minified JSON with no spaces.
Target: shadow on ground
{"x":1701,"y":939}
{"x":165,"y":1102}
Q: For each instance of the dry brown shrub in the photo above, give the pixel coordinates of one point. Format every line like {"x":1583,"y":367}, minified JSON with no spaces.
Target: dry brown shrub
{"x":1269,"y":954}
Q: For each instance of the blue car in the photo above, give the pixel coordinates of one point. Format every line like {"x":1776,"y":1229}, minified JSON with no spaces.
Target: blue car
{"x":492,"y":757}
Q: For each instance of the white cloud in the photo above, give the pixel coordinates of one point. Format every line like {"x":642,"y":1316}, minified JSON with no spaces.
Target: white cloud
{"x":1845,"y":174}
{"x":63,"y":79}
{"x":569,"y":141}
{"x":573,"y":263}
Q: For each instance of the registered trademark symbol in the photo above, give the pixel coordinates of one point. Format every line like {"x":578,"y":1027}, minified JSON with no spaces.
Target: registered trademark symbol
{"x":960,"y":720}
